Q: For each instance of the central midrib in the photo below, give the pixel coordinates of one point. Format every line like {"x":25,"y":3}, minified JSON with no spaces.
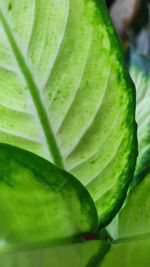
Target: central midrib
{"x":34,"y":91}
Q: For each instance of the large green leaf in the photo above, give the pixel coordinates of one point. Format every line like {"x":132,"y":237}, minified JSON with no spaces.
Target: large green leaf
{"x":39,"y":202}
{"x":65,"y":93}
{"x":72,"y":255}
{"x":139,"y":67}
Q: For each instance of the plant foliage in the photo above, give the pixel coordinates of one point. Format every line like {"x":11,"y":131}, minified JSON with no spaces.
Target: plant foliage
{"x":68,"y":137}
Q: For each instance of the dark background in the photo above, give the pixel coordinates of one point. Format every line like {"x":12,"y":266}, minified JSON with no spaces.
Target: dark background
{"x":131,"y":19}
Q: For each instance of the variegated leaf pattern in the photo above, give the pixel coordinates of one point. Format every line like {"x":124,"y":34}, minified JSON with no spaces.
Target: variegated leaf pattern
{"x":65,"y":93}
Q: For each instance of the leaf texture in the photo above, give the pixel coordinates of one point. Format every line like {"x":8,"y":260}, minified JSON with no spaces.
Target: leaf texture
{"x":65,"y":93}
{"x":39,"y":202}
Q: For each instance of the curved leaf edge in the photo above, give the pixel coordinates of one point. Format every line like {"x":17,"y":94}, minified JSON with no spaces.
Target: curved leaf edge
{"x":36,"y":163}
{"x":116,"y":43}
{"x":141,"y":64}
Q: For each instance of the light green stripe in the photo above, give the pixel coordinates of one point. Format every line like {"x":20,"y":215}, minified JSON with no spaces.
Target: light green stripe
{"x":51,"y":141}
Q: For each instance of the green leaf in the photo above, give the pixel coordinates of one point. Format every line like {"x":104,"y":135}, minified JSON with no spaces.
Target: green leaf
{"x":134,"y":219}
{"x":128,"y":253}
{"x":72,"y":255}
{"x":39,"y":202}
{"x":132,"y":225}
{"x":139,"y":67}
{"x":65,"y":93}
{"x":132,"y":230}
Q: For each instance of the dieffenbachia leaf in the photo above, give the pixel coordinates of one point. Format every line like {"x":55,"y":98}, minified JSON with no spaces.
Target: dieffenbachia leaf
{"x":139,"y":67}
{"x":65,"y":93}
{"x":39,"y":202}
{"x":128,"y":253}
{"x":72,"y":255}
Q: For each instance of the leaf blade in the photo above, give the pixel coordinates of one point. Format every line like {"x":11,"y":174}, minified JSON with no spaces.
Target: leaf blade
{"x":82,"y":132}
{"x":36,"y":197}
{"x":136,"y":211}
{"x":78,"y":254}
{"x":128,"y":253}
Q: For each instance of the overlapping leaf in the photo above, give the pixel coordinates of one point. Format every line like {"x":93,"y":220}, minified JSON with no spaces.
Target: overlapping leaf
{"x":136,"y":210}
{"x":132,"y":225}
{"x":72,"y":255}
{"x":65,"y":93}
{"x":139,"y":67}
{"x":39,"y":202}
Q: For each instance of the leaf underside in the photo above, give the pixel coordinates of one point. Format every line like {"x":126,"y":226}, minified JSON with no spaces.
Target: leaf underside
{"x":65,"y":93}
